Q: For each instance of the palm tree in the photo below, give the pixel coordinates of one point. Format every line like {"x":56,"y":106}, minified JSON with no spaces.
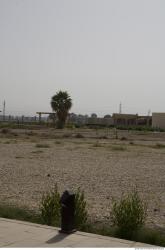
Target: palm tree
{"x":61,"y":103}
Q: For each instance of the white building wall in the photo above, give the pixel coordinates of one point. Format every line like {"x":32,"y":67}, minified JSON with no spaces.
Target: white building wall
{"x":158,"y":120}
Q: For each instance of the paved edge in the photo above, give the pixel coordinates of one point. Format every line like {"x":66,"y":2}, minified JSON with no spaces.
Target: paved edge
{"x":89,"y":235}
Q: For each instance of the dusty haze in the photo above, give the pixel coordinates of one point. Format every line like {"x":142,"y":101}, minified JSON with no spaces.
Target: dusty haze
{"x":100,"y":51}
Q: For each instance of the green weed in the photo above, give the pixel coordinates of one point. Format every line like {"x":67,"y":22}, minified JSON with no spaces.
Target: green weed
{"x":128,"y":214}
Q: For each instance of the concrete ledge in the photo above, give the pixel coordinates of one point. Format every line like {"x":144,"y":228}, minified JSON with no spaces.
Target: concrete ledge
{"x":15,"y":233}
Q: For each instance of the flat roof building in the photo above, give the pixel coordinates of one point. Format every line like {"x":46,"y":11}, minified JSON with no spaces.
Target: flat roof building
{"x":158,"y":120}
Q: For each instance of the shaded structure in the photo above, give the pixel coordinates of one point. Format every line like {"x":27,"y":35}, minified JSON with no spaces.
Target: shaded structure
{"x":125,"y":119}
{"x":53,"y":114}
{"x":144,"y":120}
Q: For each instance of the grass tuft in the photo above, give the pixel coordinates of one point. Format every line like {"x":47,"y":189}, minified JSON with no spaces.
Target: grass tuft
{"x":97,"y":144}
{"x":78,"y":135}
{"x":159,"y":145}
{"x":58,"y":142}
{"x":13,"y":212}
{"x":37,"y":152}
{"x":118,"y":148}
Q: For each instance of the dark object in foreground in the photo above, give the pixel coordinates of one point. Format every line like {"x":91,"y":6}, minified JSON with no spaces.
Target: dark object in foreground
{"x":67,"y":213}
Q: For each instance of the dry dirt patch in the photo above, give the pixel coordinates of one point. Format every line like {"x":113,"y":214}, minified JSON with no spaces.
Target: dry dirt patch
{"x":103,"y":172}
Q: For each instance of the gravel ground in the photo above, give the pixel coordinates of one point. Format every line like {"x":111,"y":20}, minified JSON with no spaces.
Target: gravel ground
{"x":103,"y":168}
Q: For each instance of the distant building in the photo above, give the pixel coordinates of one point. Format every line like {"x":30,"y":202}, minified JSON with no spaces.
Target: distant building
{"x":158,"y":120}
{"x":100,"y":121}
{"x":77,"y":119}
{"x":125,"y":119}
{"x":144,"y":120}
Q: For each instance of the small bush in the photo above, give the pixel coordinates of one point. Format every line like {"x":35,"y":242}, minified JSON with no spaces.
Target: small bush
{"x":7,"y":142}
{"x":58,"y":142}
{"x":159,"y":145}
{"x":5,"y":131}
{"x":30,"y":133}
{"x":97,"y":144}
{"x":70,"y":125}
{"x":129,"y":214}
{"x":14,"y":134}
{"x":80,"y":210}
{"x":103,"y":137}
{"x":78,"y":135}
{"x":118,"y":148}
{"x":67,"y":135}
{"x":50,"y":208}
{"x":123,"y":138}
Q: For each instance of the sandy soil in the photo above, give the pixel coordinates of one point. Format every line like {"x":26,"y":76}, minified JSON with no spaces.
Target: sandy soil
{"x":32,"y":162}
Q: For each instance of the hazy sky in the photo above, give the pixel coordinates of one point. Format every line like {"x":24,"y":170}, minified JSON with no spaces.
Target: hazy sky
{"x":100,"y":51}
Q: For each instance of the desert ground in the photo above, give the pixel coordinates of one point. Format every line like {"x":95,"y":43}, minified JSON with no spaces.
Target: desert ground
{"x":32,"y":161}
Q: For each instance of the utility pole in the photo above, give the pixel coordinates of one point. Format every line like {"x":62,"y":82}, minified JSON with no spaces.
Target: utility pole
{"x":4,"y":107}
{"x":148,"y":117}
{"x":120,"y":108}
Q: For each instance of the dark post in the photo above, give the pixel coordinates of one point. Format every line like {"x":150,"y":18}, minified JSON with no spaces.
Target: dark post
{"x":67,"y":213}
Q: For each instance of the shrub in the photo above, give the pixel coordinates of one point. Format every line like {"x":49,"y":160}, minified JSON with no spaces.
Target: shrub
{"x":103,"y":137}
{"x":70,"y":125}
{"x":159,"y":145}
{"x":97,"y":144}
{"x":30,"y":133}
{"x":80,"y":210}
{"x":50,"y":208}
{"x":58,"y":142}
{"x":67,"y":135}
{"x":123,"y":138}
{"x":118,"y":148}
{"x":5,"y":131}
{"x":128,"y":214}
{"x":78,"y":135}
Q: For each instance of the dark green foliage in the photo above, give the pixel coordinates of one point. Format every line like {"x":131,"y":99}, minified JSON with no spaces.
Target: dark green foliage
{"x":50,"y":208}
{"x":140,"y":128}
{"x":129,"y":214}
{"x":80,"y":210}
{"x":150,"y":236}
{"x":61,"y":103}
{"x":13,"y":212}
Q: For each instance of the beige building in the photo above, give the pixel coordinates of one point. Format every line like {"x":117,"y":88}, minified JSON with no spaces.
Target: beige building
{"x":125,"y":119}
{"x":158,"y":120}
